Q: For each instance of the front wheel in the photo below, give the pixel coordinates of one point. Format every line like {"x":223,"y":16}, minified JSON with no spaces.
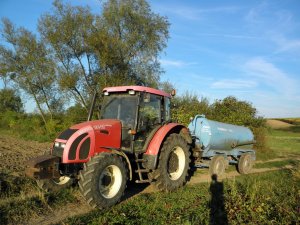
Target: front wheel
{"x":173,"y":164}
{"x":54,"y":185}
{"x":103,"y":180}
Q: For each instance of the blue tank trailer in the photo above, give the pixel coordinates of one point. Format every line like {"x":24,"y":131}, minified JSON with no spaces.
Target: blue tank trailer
{"x":218,"y":145}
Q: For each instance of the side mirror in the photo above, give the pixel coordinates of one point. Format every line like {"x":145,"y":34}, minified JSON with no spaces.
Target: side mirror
{"x":173,"y":92}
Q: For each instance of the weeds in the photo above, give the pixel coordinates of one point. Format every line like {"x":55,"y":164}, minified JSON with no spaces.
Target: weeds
{"x":22,"y":200}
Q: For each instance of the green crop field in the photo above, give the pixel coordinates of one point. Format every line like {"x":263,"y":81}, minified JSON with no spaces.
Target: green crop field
{"x":263,"y":198}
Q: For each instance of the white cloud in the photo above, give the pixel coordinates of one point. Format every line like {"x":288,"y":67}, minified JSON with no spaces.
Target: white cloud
{"x":194,"y":13}
{"x":286,"y":45}
{"x":271,"y":76}
{"x":234,"y":84}
{"x":175,"y":63}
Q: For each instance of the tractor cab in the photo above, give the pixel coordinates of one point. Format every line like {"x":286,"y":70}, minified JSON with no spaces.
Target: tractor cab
{"x":140,"y":110}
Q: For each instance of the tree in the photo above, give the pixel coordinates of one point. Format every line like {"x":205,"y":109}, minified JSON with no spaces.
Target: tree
{"x":118,"y":47}
{"x":10,"y":101}
{"x":232,"y":110}
{"x":29,"y":65}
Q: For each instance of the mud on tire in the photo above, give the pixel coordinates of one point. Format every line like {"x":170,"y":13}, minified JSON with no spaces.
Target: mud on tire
{"x":174,"y":164}
{"x":103,"y":180}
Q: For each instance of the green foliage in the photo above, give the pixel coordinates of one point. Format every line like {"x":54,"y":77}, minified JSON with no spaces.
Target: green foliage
{"x":120,"y":46}
{"x":187,"y":106}
{"x":10,"y":101}
{"x":231,"y":110}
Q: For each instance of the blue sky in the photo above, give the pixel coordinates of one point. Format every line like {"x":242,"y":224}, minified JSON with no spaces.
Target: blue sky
{"x":248,"y":49}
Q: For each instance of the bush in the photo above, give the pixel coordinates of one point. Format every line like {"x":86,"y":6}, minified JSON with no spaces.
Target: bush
{"x":10,"y":101}
{"x":187,"y":106}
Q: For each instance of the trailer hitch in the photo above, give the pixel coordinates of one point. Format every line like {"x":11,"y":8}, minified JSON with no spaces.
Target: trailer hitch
{"x":43,"y":167}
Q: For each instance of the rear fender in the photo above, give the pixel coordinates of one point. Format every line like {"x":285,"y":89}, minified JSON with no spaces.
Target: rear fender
{"x":153,"y":149}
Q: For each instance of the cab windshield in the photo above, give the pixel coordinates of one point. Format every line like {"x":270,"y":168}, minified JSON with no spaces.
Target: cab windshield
{"x":121,"y":107}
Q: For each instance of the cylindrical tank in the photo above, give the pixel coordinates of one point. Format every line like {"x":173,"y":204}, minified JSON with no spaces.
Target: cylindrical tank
{"x":212,"y":135}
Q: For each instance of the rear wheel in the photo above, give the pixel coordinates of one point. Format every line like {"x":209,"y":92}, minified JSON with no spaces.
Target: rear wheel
{"x":103,"y":180}
{"x":173,"y":165}
{"x":217,"y":166}
{"x":245,"y":164}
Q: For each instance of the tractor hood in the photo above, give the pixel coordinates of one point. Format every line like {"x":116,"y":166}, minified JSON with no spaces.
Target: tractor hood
{"x":84,"y":140}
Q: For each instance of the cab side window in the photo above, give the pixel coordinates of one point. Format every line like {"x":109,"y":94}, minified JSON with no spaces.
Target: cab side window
{"x":150,"y":111}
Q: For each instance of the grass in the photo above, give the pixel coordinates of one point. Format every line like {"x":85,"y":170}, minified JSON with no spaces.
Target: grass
{"x":281,"y":143}
{"x":277,"y":164}
{"x":21,"y":199}
{"x":270,"y":198}
{"x":284,"y":142}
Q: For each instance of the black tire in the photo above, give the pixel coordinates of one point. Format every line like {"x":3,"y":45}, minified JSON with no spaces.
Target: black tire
{"x":217,"y":165}
{"x":54,"y":185}
{"x":103,"y":180}
{"x":245,"y":164}
{"x":174,"y":164}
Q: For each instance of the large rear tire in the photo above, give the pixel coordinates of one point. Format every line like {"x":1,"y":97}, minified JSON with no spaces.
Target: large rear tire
{"x":245,"y":164}
{"x":103,"y":180}
{"x":173,"y":165}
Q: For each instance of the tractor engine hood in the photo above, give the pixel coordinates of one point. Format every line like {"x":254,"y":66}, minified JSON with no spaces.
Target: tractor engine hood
{"x":82,"y":141}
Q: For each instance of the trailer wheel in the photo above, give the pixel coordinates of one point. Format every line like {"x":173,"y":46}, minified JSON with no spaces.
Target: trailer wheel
{"x":245,"y":164}
{"x":103,"y":180}
{"x":217,"y":165}
{"x":173,"y":164}
{"x":54,"y":185}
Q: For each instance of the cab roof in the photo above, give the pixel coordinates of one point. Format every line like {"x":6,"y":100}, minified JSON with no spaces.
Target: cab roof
{"x":136,"y":88}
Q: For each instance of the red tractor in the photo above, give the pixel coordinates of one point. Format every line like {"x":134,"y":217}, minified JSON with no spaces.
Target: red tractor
{"x":134,"y":138}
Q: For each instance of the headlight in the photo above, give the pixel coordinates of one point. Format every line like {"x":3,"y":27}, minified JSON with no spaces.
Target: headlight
{"x":59,"y":145}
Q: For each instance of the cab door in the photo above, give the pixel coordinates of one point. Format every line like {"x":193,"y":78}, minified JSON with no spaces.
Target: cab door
{"x":150,"y":118}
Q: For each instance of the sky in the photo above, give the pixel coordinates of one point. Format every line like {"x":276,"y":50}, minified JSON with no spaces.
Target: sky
{"x":246,"y":49}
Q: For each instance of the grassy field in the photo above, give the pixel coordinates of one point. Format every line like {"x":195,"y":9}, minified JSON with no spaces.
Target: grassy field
{"x":265,"y":198}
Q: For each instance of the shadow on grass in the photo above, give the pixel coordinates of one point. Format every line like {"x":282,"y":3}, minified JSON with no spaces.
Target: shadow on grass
{"x":133,"y":189}
{"x":218,"y":214}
